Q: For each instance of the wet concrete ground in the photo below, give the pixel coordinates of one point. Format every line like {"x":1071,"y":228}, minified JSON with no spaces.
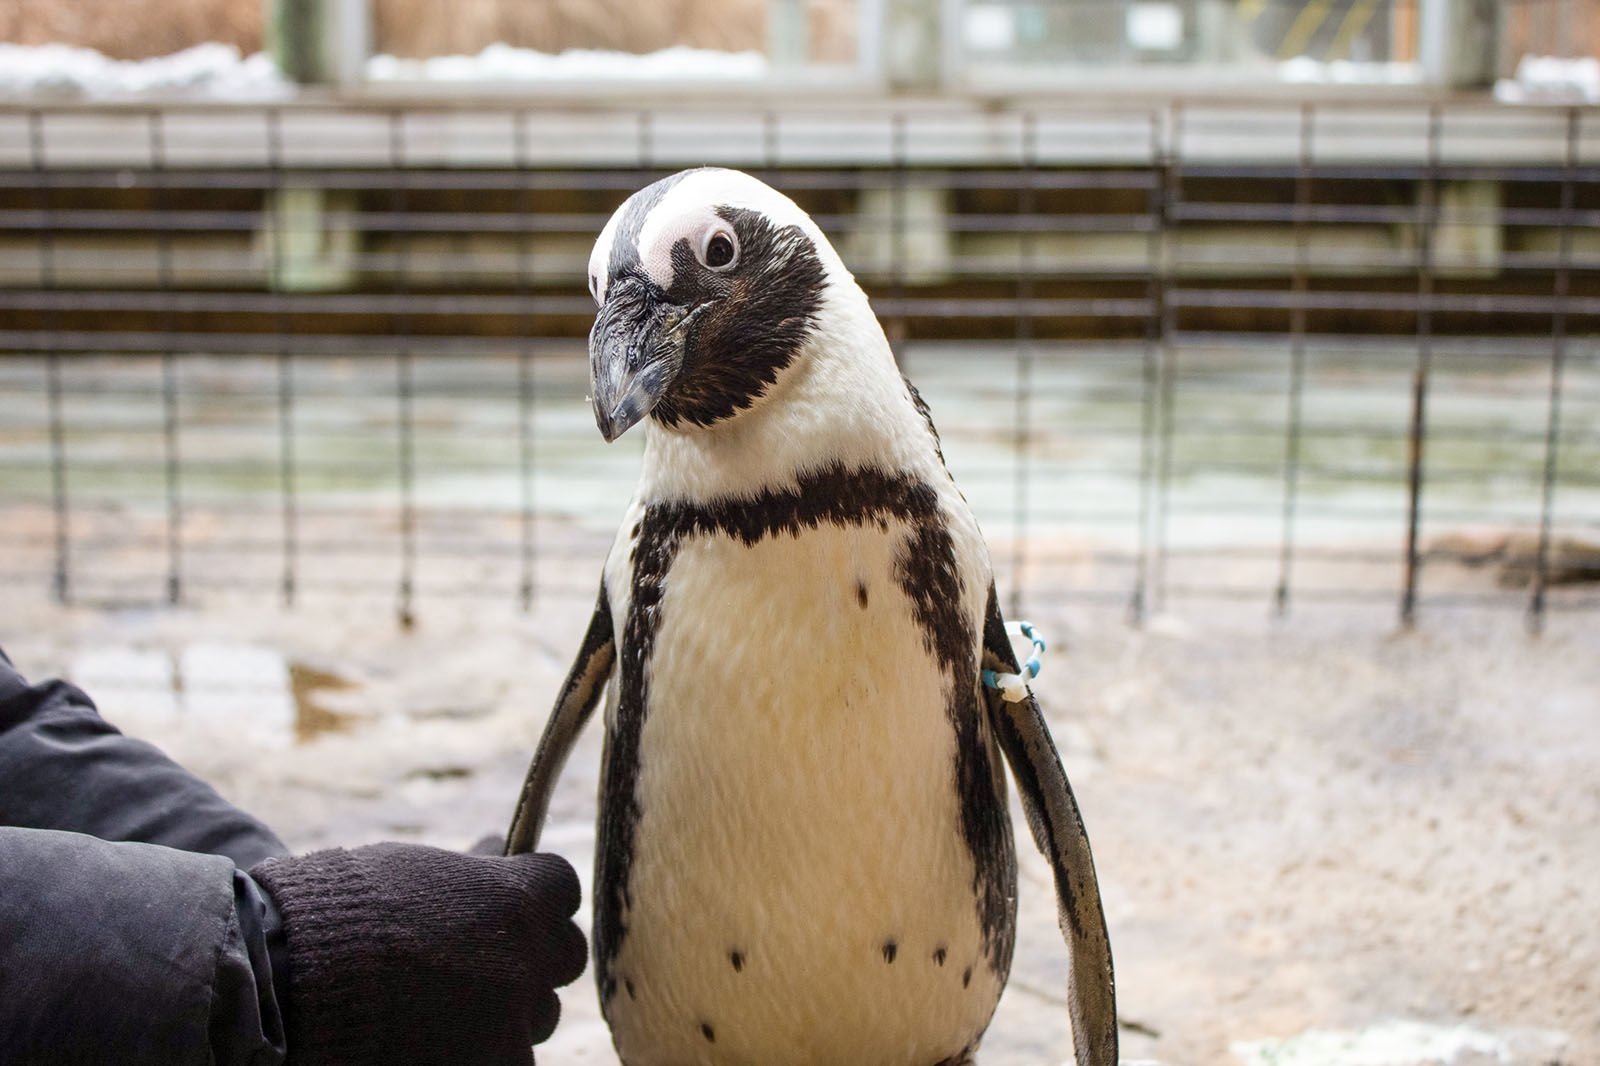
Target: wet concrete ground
{"x":1380,"y":847}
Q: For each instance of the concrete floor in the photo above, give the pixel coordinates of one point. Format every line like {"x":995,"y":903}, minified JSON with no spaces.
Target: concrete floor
{"x":1321,"y":841}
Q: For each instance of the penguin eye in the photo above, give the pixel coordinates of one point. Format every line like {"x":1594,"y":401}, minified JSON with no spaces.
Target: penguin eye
{"x":720,"y":249}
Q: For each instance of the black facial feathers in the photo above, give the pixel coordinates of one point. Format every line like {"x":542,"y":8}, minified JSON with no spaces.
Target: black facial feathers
{"x":750,"y":319}
{"x":757,"y":316}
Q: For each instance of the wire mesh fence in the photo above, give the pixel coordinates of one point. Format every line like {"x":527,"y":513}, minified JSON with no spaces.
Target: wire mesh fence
{"x":1304,"y":353}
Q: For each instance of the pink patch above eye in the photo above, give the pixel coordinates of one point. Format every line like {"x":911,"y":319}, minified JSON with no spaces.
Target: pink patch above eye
{"x":656,"y":243}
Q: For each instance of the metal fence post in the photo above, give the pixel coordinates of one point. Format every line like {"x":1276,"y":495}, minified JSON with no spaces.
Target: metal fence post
{"x":60,"y":502}
{"x":404,"y":381}
{"x":319,"y":42}
{"x":1172,"y":191}
{"x":788,"y":33}
{"x":1022,"y":412}
{"x":897,"y":233}
{"x":1416,"y":434}
{"x":525,"y":366}
{"x":915,"y":44}
{"x":167,"y":283}
{"x":1299,"y":285}
{"x":279,"y":282}
{"x":1155,"y":315}
{"x":1561,"y":286}
{"x":1458,"y":42}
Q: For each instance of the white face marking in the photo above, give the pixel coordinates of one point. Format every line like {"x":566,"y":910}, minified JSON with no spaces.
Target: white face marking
{"x":662,"y":230}
{"x":600,"y":256}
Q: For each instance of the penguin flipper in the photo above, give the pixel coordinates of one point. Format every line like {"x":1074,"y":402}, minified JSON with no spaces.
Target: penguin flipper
{"x":1058,"y":831}
{"x":579,"y":694}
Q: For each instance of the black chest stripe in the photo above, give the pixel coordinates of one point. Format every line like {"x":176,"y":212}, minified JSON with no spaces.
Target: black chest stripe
{"x":925,"y":569}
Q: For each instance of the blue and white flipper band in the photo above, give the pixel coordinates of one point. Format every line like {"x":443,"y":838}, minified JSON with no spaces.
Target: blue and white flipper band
{"x":1013,"y":688}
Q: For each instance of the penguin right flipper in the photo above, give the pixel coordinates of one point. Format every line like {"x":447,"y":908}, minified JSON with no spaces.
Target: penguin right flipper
{"x":585,"y":681}
{"x":1058,"y":831}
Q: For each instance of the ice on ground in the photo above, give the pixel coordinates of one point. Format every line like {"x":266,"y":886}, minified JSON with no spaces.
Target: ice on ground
{"x":1551,"y":78}
{"x":240,"y":687}
{"x":235,"y":689}
{"x":1304,"y":70}
{"x":209,"y":70}
{"x":500,"y":62}
{"x":1391,"y":1043}
{"x":136,"y":683}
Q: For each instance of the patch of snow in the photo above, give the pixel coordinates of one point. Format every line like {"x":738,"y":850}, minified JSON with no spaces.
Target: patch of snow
{"x":1154,"y":26}
{"x":989,"y":27}
{"x":500,"y":62}
{"x":219,"y":71}
{"x":239,"y":688}
{"x":1393,"y":1043}
{"x":234,"y":690}
{"x":1303,"y":70}
{"x":127,"y":683}
{"x":207,"y":70}
{"x":1551,"y":78}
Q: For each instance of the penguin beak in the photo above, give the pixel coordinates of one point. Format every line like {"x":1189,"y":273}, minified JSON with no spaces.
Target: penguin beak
{"x":635,"y":353}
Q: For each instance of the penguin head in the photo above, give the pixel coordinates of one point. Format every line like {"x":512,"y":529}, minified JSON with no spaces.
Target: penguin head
{"x":709,"y":284}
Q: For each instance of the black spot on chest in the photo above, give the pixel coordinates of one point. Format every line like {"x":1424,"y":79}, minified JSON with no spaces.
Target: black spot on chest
{"x":926,"y":572}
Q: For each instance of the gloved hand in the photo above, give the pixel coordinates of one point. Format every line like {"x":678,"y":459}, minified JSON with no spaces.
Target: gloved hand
{"x":400,"y":953}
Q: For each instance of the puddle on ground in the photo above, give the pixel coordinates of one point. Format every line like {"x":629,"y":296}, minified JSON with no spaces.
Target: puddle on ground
{"x":312,"y":718}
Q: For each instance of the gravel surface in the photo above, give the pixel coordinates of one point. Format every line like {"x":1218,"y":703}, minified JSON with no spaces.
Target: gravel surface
{"x":1378,"y":846}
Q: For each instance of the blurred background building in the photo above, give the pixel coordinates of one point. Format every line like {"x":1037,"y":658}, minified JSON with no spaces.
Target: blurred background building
{"x":935,"y":45}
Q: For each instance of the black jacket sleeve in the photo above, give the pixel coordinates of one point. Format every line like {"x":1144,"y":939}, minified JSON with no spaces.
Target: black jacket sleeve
{"x":149,"y":951}
{"x":125,"y":952}
{"x":125,"y":922}
{"x":62,"y":766}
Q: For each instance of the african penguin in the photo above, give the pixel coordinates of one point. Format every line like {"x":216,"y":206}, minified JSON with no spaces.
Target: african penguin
{"x":804,"y":853}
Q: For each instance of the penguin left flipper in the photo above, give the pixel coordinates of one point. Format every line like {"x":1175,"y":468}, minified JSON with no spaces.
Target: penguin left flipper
{"x":579,"y":694}
{"x":1058,"y":831}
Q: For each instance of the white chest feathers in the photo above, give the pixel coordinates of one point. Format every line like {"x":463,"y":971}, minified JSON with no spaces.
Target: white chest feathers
{"x":799,"y":889}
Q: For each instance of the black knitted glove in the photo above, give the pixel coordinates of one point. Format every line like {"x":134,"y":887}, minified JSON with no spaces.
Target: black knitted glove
{"x":406,"y":954}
